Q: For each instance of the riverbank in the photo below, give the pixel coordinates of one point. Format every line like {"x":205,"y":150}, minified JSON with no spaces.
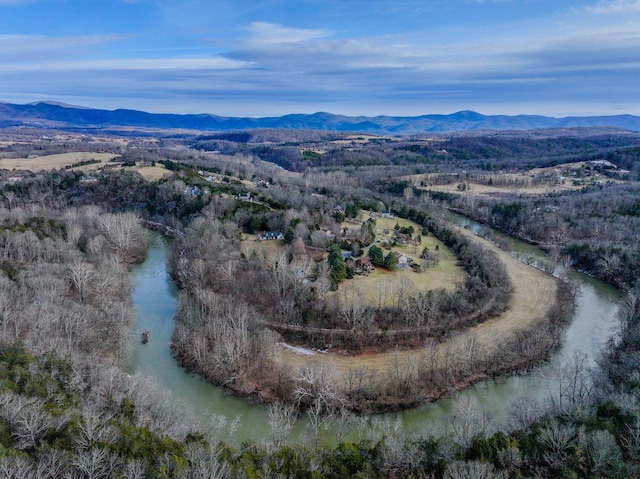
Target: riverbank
{"x":591,"y":325}
{"x":519,"y":338}
{"x":222,"y":332}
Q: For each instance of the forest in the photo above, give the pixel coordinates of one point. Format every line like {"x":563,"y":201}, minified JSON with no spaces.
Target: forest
{"x":68,"y":236}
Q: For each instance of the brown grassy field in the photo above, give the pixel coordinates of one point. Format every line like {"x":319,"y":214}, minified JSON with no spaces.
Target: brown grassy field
{"x":535,"y":182}
{"x":533,"y":293}
{"x":54,"y":162}
{"x":476,"y":189}
{"x":250,"y":243}
{"x":360,"y":139}
{"x":152,"y":173}
{"x":377,"y":286}
{"x":65,"y":160}
{"x":444,"y":275}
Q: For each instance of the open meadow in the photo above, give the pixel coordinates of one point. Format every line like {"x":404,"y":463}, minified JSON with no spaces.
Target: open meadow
{"x":532,"y":296}
{"x":59,"y":161}
{"x":377,"y":287}
{"x":66,"y":161}
{"x":534,"y":182}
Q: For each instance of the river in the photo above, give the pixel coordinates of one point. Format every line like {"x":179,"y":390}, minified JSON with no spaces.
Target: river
{"x":155,"y":299}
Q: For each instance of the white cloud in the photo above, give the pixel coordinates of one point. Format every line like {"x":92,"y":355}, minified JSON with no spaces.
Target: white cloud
{"x":24,"y":46}
{"x":139,"y":64}
{"x":280,"y":69}
{"x":272,"y":33}
{"x":614,"y":6}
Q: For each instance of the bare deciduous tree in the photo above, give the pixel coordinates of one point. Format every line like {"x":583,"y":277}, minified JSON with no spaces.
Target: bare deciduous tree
{"x":352,"y":307}
{"x":15,"y":467}
{"x":27,"y":419}
{"x":468,"y":421}
{"x":123,"y":231}
{"x":471,"y":470}
{"x":134,"y":469}
{"x":316,"y":383}
{"x":602,"y":451}
{"x":95,"y":463}
{"x":81,"y":276}
{"x":557,"y":438}
{"x":281,"y":420}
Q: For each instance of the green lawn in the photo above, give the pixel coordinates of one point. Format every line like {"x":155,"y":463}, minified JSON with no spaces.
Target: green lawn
{"x":378,"y":286}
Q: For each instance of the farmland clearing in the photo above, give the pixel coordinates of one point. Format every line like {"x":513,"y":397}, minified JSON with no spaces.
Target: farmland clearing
{"x":59,"y":161}
{"x":532,"y":296}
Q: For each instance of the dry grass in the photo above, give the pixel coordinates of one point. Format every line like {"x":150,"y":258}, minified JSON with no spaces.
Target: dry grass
{"x":533,"y":294}
{"x":535,"y":182}
{"x":359,"y":139}
{"x":476,"y":189}
{"x":377,"y":285}
{"x":250,"y":244}
{"x":152,"y":173}
{"x":55,"y":162}
{"x":65,"y":160}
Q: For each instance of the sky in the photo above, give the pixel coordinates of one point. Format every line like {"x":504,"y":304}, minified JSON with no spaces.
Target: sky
{"x":352,"y":57}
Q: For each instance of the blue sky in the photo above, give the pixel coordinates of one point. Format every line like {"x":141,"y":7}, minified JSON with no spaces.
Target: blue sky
{"x":374,"y":57}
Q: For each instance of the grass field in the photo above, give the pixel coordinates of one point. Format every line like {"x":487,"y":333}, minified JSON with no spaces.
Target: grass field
{"x":444,"y":275}
{"x":65,"y":160}
{"x":533,"y":293}
{"x":378,"y":285}
{"x":55,"y":162}
{"x":535,"y":182}
{"x":251,"y":243}
{"x":151,"y":173}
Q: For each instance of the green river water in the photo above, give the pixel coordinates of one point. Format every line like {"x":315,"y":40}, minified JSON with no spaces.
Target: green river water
{"x":155,"y":299}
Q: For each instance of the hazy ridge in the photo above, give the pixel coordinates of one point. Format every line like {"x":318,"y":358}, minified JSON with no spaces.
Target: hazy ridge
{"x":50,"y":114}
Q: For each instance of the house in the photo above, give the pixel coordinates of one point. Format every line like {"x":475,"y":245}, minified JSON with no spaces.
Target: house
{"x":387,"y":214}
{"x":243,"y":196}
{"x":599,"y":166}
{"x":271,"y":235}
{"x":402,"y":261}
{"x":88,"y":179}
{"x":363,"y":265}
{"x":405,"y":239}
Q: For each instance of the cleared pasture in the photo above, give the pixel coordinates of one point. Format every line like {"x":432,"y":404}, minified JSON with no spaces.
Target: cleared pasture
{"x":532,"y":296}
{"x":476,"y":189}
{"x":56,"y":162}
{"x":151,"y":173}
{"x":377,"y":287}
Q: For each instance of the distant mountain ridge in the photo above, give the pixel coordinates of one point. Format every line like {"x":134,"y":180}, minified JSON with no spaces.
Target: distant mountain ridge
{"x":57,"y":115}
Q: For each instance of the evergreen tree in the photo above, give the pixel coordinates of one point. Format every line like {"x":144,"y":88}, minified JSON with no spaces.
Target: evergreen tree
{"x":338,"y":268}
{"x":289,"y":235}
{"x":376,"y":255}
{"x":351,"y":211}
{"x":390,"y":261}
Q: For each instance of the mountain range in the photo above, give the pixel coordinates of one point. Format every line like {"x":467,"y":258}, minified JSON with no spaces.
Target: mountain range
{"x":57,"y":115}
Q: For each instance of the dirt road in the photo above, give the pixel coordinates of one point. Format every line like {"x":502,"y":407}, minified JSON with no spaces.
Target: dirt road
{"x":534,"y":292}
